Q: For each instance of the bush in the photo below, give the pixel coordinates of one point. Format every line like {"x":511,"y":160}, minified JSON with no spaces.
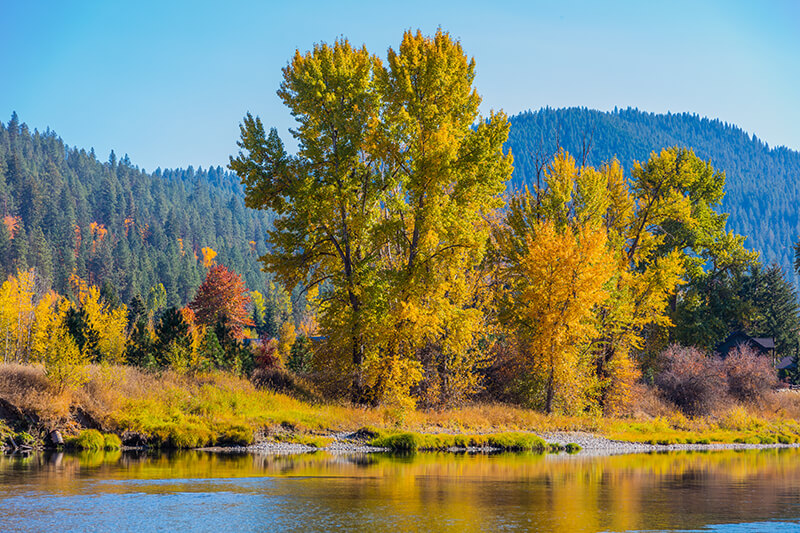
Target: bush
{"x":88,"y":439}
{"x":266,"y":355}
{"x":694,"y":382}
{"x":112,"y":442}
{"x":750,"y":375}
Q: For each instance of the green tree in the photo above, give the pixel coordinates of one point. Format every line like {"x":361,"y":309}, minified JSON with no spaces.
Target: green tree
{"x":775,"y":309}
{"x":172,"y":332}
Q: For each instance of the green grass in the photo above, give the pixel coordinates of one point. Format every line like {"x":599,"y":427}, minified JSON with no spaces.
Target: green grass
{"x":399,"y":442}
{"x":572,"y":448}
{"x":93,"y":440}
{"x":191,"y":411}
{"x":221,"y":410}
{"x":411,"y":442}
{"x":111,"y":442}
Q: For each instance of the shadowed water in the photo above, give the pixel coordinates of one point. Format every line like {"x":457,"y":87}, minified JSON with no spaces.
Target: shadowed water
{"x":720,"y":491}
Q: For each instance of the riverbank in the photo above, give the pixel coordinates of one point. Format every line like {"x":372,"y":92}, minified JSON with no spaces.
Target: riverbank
{"x":587,"y":445}
{"x":167,"y":410}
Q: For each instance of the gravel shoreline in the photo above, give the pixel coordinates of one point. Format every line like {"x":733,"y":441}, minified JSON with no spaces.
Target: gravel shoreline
{"x":591,"y":445}
{"x":596,"y":445}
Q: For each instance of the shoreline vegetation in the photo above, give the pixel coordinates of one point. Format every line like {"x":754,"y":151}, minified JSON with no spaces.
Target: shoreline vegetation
{"x":122,"y":406}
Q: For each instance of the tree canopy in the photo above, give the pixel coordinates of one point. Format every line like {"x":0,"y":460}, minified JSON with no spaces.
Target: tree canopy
{"x":384,"y":204}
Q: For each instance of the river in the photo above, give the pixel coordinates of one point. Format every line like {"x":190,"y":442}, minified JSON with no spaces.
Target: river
{"x":727,"y":491}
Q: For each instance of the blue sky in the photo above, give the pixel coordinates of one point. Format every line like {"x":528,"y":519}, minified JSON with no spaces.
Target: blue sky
{"x":168,"y":81}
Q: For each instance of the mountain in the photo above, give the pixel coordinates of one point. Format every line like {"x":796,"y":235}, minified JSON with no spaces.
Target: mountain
{"x":762,"y":186}
{"x":64,"y":212}
{"x":108,"y":222}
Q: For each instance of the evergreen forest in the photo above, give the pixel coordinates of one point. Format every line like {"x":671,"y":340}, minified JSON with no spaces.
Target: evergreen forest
{"x":66,"y":212}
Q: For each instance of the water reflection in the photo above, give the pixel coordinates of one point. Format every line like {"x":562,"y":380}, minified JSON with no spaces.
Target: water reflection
{"x":206,"y":491}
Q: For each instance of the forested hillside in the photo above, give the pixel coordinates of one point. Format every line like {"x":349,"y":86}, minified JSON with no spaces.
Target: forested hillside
{"x":762,"y":187}
{"x":65,"y":212}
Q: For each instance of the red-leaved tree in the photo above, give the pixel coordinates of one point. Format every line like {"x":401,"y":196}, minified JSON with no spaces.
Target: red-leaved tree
{"x":222,"y":296}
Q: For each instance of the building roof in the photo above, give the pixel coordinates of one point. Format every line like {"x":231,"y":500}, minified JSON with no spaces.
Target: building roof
{"x":738,"y":337}
{"x":768,"y":343}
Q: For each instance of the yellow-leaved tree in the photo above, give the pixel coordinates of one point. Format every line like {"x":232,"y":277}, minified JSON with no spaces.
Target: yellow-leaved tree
{"x":104,"y":326}
{"x":554,"y":283}
{"x":660,"y":230}
{"x":17,"y":305}
{"x":54,"y":346}
{"x":384,"y":207}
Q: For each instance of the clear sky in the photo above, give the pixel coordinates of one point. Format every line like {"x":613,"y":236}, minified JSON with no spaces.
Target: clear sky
{"x":168,"y":81}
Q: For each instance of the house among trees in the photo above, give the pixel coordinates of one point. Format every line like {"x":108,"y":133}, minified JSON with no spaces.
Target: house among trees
{"x":761,"y":345}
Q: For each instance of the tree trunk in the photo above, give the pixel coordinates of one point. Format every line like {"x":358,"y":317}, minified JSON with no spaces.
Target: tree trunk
{"x":548,"y":406}
{"x":357,"y":392}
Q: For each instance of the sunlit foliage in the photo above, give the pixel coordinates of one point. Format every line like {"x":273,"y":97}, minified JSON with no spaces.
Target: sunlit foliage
{"x":222,"y":298}
{"x":383,"y":204}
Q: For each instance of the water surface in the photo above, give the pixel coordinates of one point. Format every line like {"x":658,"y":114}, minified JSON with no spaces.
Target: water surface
{"x":725,"y":491}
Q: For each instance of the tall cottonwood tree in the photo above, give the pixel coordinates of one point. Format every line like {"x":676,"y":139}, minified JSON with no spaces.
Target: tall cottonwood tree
{"x":383,"y":204}
{"x":451,"y":170}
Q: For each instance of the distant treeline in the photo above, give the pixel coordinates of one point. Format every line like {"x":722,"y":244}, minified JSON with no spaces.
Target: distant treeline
{"x":64,"y":212}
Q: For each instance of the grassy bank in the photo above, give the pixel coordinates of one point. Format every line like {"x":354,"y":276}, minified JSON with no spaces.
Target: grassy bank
{"x":171,"y":410}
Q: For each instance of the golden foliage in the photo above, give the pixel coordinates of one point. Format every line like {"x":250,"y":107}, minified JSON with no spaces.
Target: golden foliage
{"x":108,"y":323}
{"x":286,"y":338}
{"x":17,"y":316}
{"x":208,"y":257}
{"x":12,"y":224}
{"x":556,"y":285}
{"x":54,"y":347}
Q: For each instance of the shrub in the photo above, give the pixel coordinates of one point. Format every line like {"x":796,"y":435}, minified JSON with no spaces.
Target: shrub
{"x":738,"y":419}
{"x":750,"y":375}
{"x":88,"y":439}
{"x":266,"y":354}
{"x":23,"y":437}
{"x":694,"y":382}
{"x":111,"y":442}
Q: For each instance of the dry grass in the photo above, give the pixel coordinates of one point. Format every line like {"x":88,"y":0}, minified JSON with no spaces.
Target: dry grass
{"x":194,"y":410}
{"x":27,"y":388}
